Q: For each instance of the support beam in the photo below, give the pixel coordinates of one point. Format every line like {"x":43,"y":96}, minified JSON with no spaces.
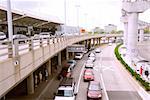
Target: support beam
{"x":132,"y":34}
{"x":48,"y":67}
{"x":141,"y":35}
{"x":125,"y":34}
{"x":59,"y":58}
{"x":30,"y":84}
{"x":9,"y":20}
{"x":67,"y":54}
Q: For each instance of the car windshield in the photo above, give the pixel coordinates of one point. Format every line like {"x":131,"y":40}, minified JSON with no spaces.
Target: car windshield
{"x":70,"y":62}
{"x":66,"y":93}
{"x":1,"y":34}
{"x":94,"y":87}
{"x":78,"y":54}
{"x":88,"y":73}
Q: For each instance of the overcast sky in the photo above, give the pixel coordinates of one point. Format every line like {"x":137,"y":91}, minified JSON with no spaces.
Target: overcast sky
{"x":92,"y":13}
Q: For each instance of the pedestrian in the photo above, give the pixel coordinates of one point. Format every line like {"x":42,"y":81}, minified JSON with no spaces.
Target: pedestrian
{"x":36,"y":80}
{"x":40,"y":76}
{"x":46,"y":74}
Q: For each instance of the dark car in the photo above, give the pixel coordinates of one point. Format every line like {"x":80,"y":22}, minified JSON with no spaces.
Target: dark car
{"x":71,"y":63}
{"x":94,"y":91}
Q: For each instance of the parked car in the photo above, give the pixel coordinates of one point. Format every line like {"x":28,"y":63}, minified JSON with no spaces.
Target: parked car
{"x":20,"y":37}
{"x":88,"y":75}
{"x":97,"y":50}
{"x":94,"y":91}
{"x":71,"y":63}
{"x":2,"y":36}
{"x":110,"y":44}
{"x":66,"y":71}
{"x":36,"y":37}
{"x":89,"y":64}
{"x":78,"y":56}
{"x":44,"y":35}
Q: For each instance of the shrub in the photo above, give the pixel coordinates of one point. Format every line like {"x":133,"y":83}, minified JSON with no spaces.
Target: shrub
{"x":132,"y":72}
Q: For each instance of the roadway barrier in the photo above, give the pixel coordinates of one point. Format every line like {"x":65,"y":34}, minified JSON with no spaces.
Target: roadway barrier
{"x":24,"y":58}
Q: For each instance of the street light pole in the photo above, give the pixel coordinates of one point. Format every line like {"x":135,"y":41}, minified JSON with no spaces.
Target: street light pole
{"x":85,"y":20}
{"x":64,"y":28}
{"x":65,"y":11}
{"x":78,"y":17}
{"x":9,"y":20}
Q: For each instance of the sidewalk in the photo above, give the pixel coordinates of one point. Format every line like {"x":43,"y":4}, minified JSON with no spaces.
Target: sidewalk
{"x":144,"y":94}
{"x":44,"y":91}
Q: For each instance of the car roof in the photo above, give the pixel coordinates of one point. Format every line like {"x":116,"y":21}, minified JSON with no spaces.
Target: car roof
{"x":93,"y":84}
{"x":67,"y":82}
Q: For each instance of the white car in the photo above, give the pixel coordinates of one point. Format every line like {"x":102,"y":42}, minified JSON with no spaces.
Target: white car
{"x":91,"y":54}
{"x":97,"y":50}
{"x":92,"y":58}
{"x":78,"y":55}
{"x":89,"y":64}
{"x":110,"y":44}
{"x":44,"y":35}
{"x":2,"y":36}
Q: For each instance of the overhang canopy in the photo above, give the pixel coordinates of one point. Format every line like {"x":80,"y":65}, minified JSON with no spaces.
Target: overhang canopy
{"x":22,"y":19}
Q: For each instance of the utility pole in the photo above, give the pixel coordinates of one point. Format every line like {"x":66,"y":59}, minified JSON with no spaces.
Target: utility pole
{"x":9,"y":20}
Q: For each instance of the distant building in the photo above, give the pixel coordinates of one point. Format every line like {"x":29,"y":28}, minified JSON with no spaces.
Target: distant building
{"x":98,"y":30}
{"x":110,"y":28}
{"x":68,"y":30}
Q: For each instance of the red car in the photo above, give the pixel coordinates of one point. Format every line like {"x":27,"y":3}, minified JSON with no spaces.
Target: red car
{"x":94,"y":91}
{"x":88,"y":75}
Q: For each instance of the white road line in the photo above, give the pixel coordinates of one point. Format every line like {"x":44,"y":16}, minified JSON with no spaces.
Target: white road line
{"x":101,"y":78}
{"x":77,"y":88}
{"x":104,"y":89}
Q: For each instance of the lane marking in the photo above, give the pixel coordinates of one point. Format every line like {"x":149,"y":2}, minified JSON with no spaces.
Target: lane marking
{"x":104,"y":89}
{"x":101,"y":77}
{"x":77,"y":88}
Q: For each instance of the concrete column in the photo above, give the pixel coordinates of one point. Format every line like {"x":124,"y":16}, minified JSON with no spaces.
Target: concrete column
{"x":29,"y":30}
{"x":132,"y":34}
{"x":9,"y":20}
{"x":86,"y":44}
{"x":30,"y":84}
{"x":67,"y":54}
{"x":125,"y":34}
{"x":59,"y":58}
{"x":94,"y":42}
{"x":99,"y":41}
{"x":141,"y":35}
{"x":48,"y":67}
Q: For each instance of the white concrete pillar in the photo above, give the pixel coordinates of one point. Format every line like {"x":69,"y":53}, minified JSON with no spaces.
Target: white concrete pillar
{"x":9,"y":20}
{"x":59,"y":58}
{"x":125,"y":34}
{"x":30,"y":84}
{"x":141,"y":35}
{"x":132,"y":34}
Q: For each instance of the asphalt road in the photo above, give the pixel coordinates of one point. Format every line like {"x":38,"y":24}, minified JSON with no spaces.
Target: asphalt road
{"x":118,"y":86}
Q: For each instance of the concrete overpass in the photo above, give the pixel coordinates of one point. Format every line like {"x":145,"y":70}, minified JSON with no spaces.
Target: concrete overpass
{"x":22,"y":62}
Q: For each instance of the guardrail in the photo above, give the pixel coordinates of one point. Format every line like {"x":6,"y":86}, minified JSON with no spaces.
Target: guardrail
{"x":10,"y":49}
{"x":21,"y":59}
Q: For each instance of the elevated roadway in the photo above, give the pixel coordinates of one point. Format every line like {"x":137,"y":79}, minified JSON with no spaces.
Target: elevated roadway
{"x":19,"y":66}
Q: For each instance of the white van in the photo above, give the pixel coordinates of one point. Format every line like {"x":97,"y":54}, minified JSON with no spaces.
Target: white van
{"x":2,"y":36}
